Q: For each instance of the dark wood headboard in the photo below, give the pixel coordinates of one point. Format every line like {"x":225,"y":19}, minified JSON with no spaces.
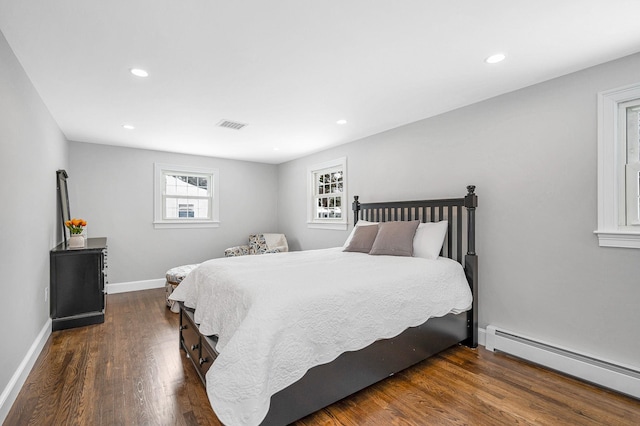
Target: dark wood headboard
{"x":451,"y":210}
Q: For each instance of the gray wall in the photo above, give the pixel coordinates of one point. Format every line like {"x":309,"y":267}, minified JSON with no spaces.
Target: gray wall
{"x":532,"y":154}
{"x":32,"y":148}
{"x":112,"y":188}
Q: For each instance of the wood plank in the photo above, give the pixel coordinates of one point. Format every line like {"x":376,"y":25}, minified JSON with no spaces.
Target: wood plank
{"x":129,"y":371}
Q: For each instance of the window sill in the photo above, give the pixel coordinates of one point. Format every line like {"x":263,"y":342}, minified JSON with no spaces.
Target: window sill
{"x":618,"y":238}
{"x":323,"y":225}
{"x":185,"y":225}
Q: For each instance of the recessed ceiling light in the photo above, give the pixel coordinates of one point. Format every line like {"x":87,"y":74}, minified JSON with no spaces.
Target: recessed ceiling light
{"x":341,"y":122}
{"x":128,"y":126}
{"x":494,"y":59}
{"x":138,"y":72}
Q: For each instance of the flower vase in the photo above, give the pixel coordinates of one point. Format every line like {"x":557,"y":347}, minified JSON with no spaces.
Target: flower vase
{"x":76,"y":241}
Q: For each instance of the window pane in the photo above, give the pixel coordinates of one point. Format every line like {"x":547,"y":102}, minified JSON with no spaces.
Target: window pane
{"x":633,"y":134}
{"x":637,"y":218}
{"x":637,"y":134}
{"x":170,"y":185}
{"x":171,"y":208}
{"x":181,"y":185}
{"x":186,"y":208}
{"x":202,"y":209}
{"x":191,"y":187}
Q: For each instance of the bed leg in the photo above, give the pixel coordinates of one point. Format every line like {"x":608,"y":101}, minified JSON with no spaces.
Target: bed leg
{"x":471,"y":270}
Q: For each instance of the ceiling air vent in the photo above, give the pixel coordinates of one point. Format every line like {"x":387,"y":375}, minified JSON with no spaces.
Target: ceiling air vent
{"x":231,"y":124}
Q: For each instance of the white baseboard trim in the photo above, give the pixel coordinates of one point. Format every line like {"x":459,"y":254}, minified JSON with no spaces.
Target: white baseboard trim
{"x":10,"y":392}
{"x":605,"y":373}
{"x":134,"y":286}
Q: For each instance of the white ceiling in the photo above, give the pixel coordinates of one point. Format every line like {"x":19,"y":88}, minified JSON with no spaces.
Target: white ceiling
{"x":291,"y":68}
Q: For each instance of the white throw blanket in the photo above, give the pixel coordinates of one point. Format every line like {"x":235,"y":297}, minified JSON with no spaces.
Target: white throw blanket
{"x":278,"y":316}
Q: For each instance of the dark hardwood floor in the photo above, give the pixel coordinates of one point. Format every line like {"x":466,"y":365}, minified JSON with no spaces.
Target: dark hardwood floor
{"x":129,"y":371}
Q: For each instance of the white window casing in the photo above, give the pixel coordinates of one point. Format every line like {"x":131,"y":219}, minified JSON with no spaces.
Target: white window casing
{"x":327,"y":202}
{"x":186,"y":197}
{"x":617,"y":170}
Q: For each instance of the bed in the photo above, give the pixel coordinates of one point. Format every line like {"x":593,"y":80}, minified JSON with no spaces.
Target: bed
{"x":336,"y":372}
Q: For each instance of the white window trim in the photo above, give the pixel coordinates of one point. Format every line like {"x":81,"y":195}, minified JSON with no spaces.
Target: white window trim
{"x":312,"y":221}
{"x":611,"y":170}
{"x":158,"y":212}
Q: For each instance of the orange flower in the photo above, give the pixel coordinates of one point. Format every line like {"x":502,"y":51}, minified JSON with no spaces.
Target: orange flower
{"x":75,"y":225}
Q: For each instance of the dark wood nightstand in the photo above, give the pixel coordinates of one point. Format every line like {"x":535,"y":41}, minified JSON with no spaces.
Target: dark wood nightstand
{"x":77,"y":283}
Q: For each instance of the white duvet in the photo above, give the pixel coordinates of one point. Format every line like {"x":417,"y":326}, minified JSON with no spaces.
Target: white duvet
{"x":278,"y":315}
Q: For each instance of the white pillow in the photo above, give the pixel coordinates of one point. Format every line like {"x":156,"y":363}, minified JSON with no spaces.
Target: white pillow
{"x":429,"y":238}
{"x":360,"y":223}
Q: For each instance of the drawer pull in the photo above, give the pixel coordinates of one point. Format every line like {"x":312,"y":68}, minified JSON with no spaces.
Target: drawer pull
{"x":203,"y":360}
{"x":194,"y":347}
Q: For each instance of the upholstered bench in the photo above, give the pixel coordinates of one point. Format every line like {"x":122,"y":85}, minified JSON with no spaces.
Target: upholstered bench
{"x":174,"y":278}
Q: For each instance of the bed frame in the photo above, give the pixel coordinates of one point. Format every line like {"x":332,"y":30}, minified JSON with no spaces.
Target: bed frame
{"x":353,"y":371}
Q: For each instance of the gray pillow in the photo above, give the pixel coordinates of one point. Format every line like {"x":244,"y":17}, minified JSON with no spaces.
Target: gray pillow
{"x":363,"y":238}
{"x":395,"y":238}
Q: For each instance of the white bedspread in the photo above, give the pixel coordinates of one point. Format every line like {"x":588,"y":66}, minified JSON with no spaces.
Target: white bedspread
{"x":278,"y":315}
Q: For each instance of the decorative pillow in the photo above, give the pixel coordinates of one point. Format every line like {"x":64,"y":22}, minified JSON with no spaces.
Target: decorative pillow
{"x":429,"y":238}
{"x":257,"y":244}
{"x":360,"y":223}
{"x":363,"y":238}
{"x":395,"y":238}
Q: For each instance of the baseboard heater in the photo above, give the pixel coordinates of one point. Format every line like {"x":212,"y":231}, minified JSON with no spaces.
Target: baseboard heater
{"x":603,"y":373}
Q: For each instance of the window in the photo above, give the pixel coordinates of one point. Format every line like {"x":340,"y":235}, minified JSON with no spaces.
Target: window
{"x":630,"y":117}
{"x":327,"y":194}
{"x":185,"y":197}
{"x":619,"y":167}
